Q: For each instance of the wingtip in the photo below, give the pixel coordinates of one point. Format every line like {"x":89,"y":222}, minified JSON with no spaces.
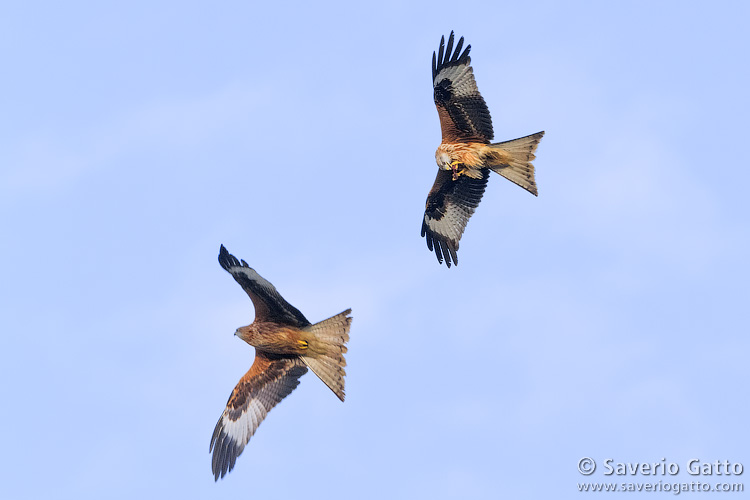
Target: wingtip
{"x":442,"y":250}
{"x":449,"y":55}
{"x":224,"y":257}
{"x":227,"y":260}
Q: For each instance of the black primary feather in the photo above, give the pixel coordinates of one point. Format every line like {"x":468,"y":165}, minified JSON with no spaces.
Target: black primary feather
{"x":444,"y":58}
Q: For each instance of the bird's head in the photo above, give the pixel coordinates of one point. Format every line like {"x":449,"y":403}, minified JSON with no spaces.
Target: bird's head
{"x":245,"y":333}
{"x":443,"y":159}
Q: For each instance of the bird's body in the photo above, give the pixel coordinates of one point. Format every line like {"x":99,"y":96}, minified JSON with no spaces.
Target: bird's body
{"x":286,"y":345}
{"x":466,"y":154}
{"x":468,"y":158}
{"x":274,"y":337}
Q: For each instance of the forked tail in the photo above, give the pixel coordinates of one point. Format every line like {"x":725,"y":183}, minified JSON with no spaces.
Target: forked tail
{"x":325,"y":356}
{"x":513,"y":160}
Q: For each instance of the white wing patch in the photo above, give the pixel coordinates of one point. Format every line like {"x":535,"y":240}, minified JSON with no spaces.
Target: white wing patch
{"x":253,"y":276}
{"x":453,"y":73}
{"x":241,"y":430}
{"x":452,"y":224}
{"x":462,"y":80}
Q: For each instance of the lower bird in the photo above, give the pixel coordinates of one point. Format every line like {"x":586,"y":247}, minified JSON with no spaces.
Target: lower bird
{"x":286,"y":345}
{"x":466,"y":154}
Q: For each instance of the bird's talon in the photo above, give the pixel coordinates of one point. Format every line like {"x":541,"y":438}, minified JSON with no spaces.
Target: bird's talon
{"x":302,"y":344}
{"x":457,"y":173}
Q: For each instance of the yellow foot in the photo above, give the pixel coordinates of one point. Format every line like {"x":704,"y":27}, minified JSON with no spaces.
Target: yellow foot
{"x":454,"y":167}
{"x":302,"y":344}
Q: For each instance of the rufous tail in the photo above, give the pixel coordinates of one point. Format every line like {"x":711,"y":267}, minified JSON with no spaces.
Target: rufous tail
{"x":512,"y":160}
{"x":325,"y":356}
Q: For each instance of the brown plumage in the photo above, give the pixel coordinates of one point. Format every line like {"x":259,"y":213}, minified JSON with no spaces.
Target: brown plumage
{"x":286,"y":345}
{"x":466,"y":155}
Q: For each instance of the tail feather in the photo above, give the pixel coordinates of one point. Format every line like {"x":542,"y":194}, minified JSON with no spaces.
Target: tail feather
{"x":513,"y":160}
{"x":326,"y":351}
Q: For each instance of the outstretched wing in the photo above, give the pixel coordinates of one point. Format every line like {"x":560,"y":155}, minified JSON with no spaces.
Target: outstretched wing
{"x":268,"y":302}
{"x":269,"y":380}
{"x":450,"y":204}
{"x":463,"y":113}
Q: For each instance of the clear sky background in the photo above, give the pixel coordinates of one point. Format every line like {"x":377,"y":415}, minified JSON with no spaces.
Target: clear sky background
{"x":606,"y":318}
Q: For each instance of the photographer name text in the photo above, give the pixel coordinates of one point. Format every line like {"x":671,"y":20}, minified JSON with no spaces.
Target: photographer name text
{"x":694,"y":467}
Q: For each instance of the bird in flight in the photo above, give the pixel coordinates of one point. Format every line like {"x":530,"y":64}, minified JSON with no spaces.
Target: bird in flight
{"x":286,"y":345}
{"x":466,"y":154}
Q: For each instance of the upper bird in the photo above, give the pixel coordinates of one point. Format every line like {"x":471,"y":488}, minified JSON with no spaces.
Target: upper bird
{"x":466,"y":156}
{"x":286,"y":345}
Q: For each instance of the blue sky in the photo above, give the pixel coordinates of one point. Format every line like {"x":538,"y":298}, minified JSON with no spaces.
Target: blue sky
{"x":605,"y":318}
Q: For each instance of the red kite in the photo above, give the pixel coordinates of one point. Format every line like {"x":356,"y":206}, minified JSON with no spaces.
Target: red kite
{"x":286,"y":345}
{"x":466,"y":155}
